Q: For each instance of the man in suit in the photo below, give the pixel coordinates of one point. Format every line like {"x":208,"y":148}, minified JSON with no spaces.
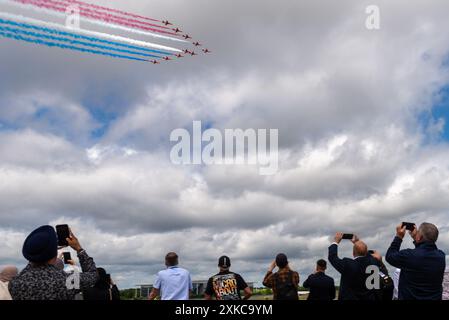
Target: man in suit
{"x":321,"y":286}
{"x":422,"y":268}
{"x":353,"y":271}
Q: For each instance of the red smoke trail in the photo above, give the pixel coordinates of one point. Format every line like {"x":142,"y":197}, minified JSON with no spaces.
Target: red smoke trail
{"x":85,"y":7}
{"x":85,"y":4}
{"x":47,"y":5}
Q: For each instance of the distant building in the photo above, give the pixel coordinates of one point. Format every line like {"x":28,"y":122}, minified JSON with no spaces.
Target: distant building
{"x":199,"y":287}
{"x":145,"y":290}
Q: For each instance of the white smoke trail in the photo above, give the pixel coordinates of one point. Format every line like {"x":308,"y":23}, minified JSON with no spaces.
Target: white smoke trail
{"x":86,"y":32}
{"x":92,"y":21}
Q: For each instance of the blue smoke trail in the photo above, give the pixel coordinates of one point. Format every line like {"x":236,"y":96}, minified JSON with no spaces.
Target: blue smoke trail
{"x":64,"y":46}
{"x":83,"y":43}
{"x":77,"y":36}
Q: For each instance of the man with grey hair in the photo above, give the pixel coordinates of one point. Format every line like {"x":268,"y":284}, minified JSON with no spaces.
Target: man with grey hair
{"x":422,"y":268}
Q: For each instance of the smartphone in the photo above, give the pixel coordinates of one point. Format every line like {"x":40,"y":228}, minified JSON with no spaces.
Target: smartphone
{"x":370,"y":252}
{"x":67,"y":257}
{"x":348,"y":236}
{"x":63,"y":233}
{"x":408,"y":226}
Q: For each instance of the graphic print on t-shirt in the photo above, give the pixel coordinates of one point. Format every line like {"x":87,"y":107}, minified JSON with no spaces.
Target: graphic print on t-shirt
{"x":226,"y":287}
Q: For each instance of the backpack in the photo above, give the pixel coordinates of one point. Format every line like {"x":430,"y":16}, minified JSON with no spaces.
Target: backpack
{"x":285,"y":290}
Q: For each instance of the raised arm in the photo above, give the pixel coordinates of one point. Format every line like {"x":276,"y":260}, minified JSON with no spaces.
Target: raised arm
{"x":333,"y":258}
{"x":396,"y":257}
{"x":77,"y":281}
{"x":268,"y":280}
{"x":88,"y":277}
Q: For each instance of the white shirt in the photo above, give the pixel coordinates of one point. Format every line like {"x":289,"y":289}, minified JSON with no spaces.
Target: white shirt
{"x":446,"y":285}
{"x":396,"y":274}
{"x":69,"y":269}
{"x":174,"y":283}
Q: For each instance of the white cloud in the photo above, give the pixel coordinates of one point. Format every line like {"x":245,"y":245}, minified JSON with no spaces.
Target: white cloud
{"x":354,"y":156}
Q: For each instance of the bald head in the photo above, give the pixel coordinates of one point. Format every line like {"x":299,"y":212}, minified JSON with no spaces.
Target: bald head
{"x":360,"y":249}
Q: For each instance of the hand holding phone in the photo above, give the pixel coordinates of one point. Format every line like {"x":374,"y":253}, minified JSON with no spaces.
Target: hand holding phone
{"x":375,"y":254}
{"x":67,"y":257}
{"x":67,"y":238}
{"x":410,"y":226}
{"x":73,"y":242}
{"x":338,"y":237}
{"x":348,"y":236}
{"x":401,"y":231}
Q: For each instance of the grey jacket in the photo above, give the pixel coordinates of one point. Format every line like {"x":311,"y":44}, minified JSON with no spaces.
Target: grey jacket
{"x":48,"y":283}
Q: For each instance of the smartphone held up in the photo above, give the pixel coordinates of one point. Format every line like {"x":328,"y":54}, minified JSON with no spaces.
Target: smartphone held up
{"x":410,"y":226}
{"x":63,"y":232}
{"x":67,"y":257}
{"x":348,"y":236}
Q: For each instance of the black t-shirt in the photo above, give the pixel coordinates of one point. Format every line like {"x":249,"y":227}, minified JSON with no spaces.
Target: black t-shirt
{"x":226,"y":286}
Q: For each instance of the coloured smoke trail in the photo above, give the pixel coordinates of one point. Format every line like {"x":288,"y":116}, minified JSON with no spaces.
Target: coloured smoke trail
{"x":107,"y":18}
{"x":94,"y":36}
{"x":31,"y":30}
{"x":42,"y":9}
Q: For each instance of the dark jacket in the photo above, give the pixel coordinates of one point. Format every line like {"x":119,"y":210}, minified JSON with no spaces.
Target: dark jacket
{"x":386,"y":291}
{"x":353,"y":275}
{"x":422,"y":270}
{"x":102,"y":293}
{"x":46,"y":282}
{"x":321,"y":286}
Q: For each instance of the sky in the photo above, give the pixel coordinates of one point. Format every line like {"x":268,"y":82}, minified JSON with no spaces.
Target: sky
{"x":363,"y":137}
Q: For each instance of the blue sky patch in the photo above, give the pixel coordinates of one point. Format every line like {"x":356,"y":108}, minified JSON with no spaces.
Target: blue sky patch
{"x":440,"y":110}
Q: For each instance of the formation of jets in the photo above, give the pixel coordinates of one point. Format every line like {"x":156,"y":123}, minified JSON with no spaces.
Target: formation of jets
{"x":179,"y":55}
{"x":184,"y":52}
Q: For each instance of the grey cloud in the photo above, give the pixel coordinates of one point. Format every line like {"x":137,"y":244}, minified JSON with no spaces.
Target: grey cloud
{"x":346,"y":100}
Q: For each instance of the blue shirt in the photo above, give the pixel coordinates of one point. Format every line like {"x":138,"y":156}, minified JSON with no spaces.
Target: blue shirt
{"x":174,"y":283}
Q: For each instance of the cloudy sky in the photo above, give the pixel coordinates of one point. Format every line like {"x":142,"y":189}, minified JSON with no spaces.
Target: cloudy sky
{"x":361,"y":114}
